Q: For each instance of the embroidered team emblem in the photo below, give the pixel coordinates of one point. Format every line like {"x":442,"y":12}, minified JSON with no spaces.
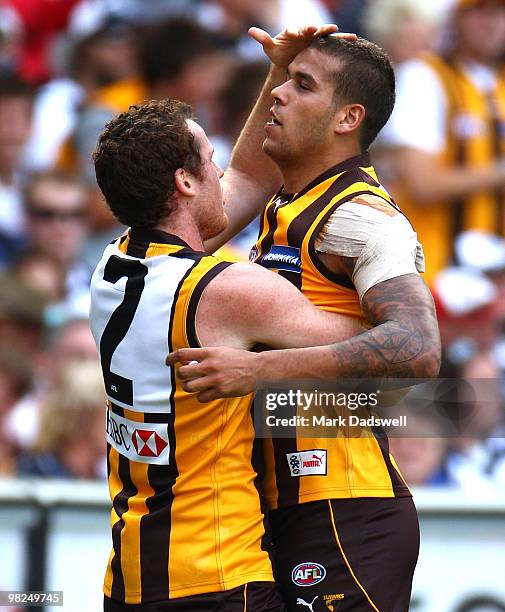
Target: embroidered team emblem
{"x":332,"y":601}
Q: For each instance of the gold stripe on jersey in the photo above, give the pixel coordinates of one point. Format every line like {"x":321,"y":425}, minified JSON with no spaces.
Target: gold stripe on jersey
{"x":194,"y":526}
{"x":235,"y":501}
{"x":474,"y":138}
{"x":290,"y":226}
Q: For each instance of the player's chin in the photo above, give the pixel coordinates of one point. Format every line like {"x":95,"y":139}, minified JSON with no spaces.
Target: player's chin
{"x":218,"y":225}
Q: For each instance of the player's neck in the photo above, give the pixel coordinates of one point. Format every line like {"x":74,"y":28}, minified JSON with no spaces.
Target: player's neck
{"x":298,"y":173}
{"x":182,"y":225}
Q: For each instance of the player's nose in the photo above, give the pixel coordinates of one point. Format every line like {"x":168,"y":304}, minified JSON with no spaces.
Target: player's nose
{"x":279,"y":94}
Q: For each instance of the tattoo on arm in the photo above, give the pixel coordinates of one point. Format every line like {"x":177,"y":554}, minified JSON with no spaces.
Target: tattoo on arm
{"x":404,"y":342}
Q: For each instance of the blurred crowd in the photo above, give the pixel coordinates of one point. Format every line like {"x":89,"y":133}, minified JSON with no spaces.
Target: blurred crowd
{"x":67,"y":66}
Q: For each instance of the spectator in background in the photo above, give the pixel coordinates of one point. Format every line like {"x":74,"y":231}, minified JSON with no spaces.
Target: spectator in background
{"x":70,"y":442}
{"x":42,"y":273}
{"x":11,"y":31}
{"x":474,"y":411}
{"x":56,"y":224}
{"x":348,"y":14}
{"x":99,"y":54}
{"x":178,"y":59}
{"x":420,"y":450}
{"x":21,"y":315}
{"x":404,"y":28}
{"x":16,"y":374}
{"x":15,"y":125}
{"x":447,"y":133}
{"x":231,"y":19}
{"x":42,"y":21}
{"x":69,"y":343}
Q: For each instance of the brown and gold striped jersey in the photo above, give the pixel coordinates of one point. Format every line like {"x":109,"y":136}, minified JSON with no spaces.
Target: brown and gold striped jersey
{"x":475,"y":138}
{"x":186,"y":516}
{"x":341,"y":467}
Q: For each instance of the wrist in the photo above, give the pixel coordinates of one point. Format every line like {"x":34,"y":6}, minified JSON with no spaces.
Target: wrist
{"x":277,"y":72}
{"x":261,"y":366}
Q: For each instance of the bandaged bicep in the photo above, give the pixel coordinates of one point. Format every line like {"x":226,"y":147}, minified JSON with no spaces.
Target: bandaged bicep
{"x":384,"y":245}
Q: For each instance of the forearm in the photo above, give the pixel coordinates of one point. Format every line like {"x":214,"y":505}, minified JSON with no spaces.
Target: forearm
{"x":429,"y":182}
{"x":388,"y":350}
{"x":404,"y":342}
{"x":247,"y":155}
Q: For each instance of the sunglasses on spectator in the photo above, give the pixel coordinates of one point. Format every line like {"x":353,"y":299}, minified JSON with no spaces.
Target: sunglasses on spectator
{"x":49,"y":214}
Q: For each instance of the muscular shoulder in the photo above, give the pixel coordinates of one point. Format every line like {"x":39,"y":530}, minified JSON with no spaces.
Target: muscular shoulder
{"x":240,"y":296}
{"x":354,"y":223}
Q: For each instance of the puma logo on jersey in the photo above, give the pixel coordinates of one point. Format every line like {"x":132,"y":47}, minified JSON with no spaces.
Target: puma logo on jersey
{"x":302,"y":602}
{"x":307,"y":463}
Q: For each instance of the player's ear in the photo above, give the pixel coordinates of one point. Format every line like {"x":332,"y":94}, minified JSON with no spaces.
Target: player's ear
{"x":349,"y":118}
{"x":184,"y":182}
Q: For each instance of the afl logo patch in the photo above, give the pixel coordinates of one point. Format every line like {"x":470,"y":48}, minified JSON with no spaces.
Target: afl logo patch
{"x":308,"y":574}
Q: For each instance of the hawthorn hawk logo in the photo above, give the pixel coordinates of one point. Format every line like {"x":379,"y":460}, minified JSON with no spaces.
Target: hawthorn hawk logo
{"x":148,"y":443}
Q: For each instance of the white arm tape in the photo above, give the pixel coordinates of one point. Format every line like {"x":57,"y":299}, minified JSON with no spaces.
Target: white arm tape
{"x":385,"y":246}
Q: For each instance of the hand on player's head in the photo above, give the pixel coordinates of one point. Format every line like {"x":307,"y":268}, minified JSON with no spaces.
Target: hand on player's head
{"x":283,"y":48}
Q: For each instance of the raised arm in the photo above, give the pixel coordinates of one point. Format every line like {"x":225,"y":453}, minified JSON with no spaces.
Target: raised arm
{"x":252,"y":177}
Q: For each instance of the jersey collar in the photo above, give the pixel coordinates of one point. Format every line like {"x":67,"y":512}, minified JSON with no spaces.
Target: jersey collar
{"x":358,"y":161}
{"x":145,"y":235}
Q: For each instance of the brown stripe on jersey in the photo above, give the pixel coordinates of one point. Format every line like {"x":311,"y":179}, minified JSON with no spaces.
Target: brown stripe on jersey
{"x":450,"y":75}
{"x":189,"y":254}
{"x":289,"y":486}
{"x":147,"y":235}
{"x":339,"y":279}
{"x":137,"y":249}
{"x":258,"y":464}
{"x":499,"y":192}
{"x":458,"y":205}
{"x":270,"y":216}
{"x":156,"y":525}
{"x":358,"y":161}
{"x":195,"y":299}
{"x":263,"y":214}
{"x":301,"y":224}
{"x":398,"y":484}
{"x":120,"y":501}
{"x":120,"y":505}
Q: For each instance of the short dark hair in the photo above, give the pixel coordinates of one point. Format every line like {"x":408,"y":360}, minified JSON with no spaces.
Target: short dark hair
{"x":366,"y":77}
{"x":167,"y":48}
{"x":137,"y":155}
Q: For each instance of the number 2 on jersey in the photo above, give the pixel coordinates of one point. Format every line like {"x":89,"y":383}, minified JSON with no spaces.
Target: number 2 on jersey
{"x":117,"y":386}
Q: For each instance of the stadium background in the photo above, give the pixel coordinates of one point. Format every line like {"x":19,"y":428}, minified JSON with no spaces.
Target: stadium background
{"x":66,"y":66}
